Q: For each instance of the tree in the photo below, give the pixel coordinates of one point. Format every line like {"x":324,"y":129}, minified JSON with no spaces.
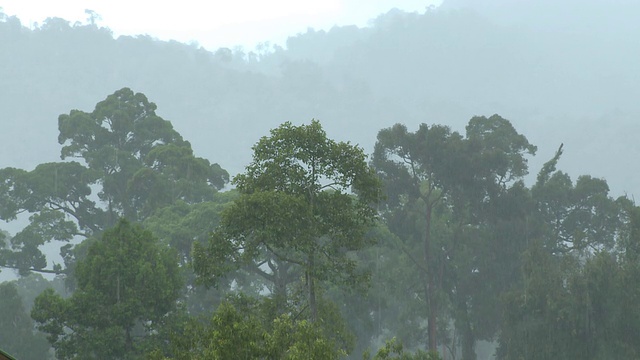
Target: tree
{"x":134,"y":158}
{"x":439,"y":183}
{"x":142,"y":161}
{"x":126,"y":285}
{"x":539,"y":319}
{"x":29,"y":287}
{"x":487,"y":263}
{"x":181,"y":225}
{"x":414,"y":168}
{"x":578,"y":217}
{"x":572,"y":311}
{"x":394,"y":350}
{"x":58,"y":197}
{"x":17,"y":331}
{"x":242,"y":328}
{"x":574,"y":300}
{"x":305,"y":202}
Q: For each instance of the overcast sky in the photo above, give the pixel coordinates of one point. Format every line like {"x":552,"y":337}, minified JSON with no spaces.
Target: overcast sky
{"x":213,"y":24}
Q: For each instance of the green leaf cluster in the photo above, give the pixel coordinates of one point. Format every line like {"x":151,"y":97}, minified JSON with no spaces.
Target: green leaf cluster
{"x":305,"y":203}
{"x":241,"y":328}
{"x":129,"y":162}
{"x":17,"y":332}
{"x":126,"y":285}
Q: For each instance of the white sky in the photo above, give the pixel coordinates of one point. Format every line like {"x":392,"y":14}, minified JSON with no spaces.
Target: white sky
{"x":213,"y":23}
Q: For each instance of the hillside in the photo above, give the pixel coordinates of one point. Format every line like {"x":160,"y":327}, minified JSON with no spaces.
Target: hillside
{"x":557,"y":84}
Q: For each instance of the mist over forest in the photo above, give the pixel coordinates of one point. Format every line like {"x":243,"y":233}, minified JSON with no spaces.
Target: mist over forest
{"x":533,"y":109}
{"x":561,"y":72}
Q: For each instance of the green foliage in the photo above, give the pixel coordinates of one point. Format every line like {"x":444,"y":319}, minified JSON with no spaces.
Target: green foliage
{"x":394,"y":350}
{"x":29,"y":287}
{"x":578,"y":217}
{"x":460,"y":227}
{"x":572,"y":300}
{"x":563,"y":253}
{"x":242,"y":328}
{"x":301,"y":340}
{"x":306,"y":201}
{"x":135,"y":159}
{"x":57,"y":196}
{"x":126,"y":285}
{"x":17,"y":331}
{"x":443,"y":195}
{"x":630,"y":244}
{"x":572,"y":311}
{"x":538,"y":320}
{"x":500,"y":149}
{"x":180,"y":226}
{"x":143,"y":162}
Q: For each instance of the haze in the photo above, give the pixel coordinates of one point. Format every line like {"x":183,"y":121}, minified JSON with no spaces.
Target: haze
{"x":517,"y":239}
{"x":214,"y":24}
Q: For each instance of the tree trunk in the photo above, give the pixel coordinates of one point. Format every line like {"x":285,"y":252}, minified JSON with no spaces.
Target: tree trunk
{"x":430,"y":287}
{"x":312,"y":289}
{"x":128,"y":345}
{"x":468,"y":338}
{"x":280,"y":281}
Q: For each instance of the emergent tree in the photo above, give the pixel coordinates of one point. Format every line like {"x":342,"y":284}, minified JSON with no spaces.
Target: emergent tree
{"x":306,"y":201}
{"x":134,"y":159}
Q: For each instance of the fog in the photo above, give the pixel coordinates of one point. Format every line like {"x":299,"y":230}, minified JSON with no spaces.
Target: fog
{"x":562,"y":72}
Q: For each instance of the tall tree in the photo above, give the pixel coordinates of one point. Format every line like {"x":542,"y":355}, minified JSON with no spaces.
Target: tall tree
{"x":439,"y":183}
{"x":142,"y":161}
{"x":305,"y":202}
{"x":575,"y":294}
{"x":134,"y":159}
{"x":416,"y":170}
{"x":493,"y":211}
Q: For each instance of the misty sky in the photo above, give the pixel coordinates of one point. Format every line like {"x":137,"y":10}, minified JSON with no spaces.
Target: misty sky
{"x":214,"y":24}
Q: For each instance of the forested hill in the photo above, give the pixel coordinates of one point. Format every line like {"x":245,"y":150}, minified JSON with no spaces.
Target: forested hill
{"x":561,"y":76}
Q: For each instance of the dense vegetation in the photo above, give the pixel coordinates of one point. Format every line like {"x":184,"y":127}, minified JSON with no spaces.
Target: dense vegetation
{"x":435,"y":243}
{"x":440,"y":242}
